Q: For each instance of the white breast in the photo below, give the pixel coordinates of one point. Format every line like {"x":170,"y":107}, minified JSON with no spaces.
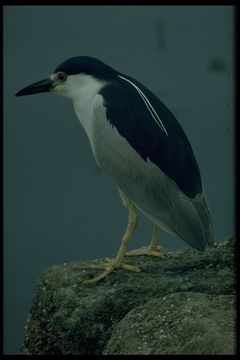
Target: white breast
{"x":82,"y":90}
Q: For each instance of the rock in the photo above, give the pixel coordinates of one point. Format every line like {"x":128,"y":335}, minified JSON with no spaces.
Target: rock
{"x":68,"y":317}
{"x":183,"y":323}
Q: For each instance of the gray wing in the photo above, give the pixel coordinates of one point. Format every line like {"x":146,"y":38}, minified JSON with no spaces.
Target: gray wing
{"x":158,"y":197}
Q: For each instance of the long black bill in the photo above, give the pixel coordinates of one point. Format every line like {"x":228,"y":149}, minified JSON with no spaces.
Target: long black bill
{"x":38,"y":87}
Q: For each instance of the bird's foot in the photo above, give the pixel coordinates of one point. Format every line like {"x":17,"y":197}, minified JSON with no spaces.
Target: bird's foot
{"x":109,"y":265}
{"x":148,"y":251}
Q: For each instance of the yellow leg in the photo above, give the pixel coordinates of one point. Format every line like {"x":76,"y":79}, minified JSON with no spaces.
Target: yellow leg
{"x":116,"y":263}
{"x":152,"y":249}
{"x":155,"y":236}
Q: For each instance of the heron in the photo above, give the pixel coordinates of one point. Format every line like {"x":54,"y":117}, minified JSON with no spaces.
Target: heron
{"x":136,"y":140}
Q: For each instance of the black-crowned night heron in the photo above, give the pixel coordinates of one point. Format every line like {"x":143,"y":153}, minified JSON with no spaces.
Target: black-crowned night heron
{"x":140,"y":144}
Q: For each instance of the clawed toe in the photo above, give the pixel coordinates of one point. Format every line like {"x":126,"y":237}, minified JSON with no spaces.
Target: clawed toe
{"x":109,"y":265}
{"x":147,"y":251}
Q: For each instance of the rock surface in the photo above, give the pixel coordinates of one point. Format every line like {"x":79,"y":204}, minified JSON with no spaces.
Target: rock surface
{"x":138,"y":313}
{"x":180,"y":323}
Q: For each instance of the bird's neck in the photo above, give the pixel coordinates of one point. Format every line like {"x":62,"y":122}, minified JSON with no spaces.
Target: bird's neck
{"x":83,"y":89}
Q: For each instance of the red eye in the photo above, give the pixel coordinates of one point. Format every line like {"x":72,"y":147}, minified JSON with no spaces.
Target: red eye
{"x":62,"y":76}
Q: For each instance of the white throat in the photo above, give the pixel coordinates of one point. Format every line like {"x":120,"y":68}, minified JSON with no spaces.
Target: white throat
{"x":82,"y":89}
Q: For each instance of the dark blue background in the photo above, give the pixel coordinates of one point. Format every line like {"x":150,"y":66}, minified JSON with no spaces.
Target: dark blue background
{"x":58,"y":206}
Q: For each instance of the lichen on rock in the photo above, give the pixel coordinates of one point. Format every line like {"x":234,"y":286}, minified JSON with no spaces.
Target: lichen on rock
{"x":68,"y":317}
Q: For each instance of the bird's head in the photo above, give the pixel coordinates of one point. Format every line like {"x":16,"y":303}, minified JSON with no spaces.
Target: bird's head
{"x":70,"y":76}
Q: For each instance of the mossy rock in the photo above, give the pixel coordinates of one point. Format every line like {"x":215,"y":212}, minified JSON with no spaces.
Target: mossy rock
{"x":68,"y":317}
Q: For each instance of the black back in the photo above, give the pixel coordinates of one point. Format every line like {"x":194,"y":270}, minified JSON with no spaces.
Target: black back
{"x":173,"y":154}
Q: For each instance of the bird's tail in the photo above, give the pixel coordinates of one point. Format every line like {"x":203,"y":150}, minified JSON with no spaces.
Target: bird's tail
{"x":195,"y":225}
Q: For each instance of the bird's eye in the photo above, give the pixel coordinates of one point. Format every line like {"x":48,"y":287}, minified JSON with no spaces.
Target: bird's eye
{"x":62,"y":76}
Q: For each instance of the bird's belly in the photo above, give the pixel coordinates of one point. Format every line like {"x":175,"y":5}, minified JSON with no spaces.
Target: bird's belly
{"x":141,"y":180}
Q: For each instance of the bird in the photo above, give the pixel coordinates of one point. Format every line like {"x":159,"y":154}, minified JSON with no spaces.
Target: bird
{"x":138,"y":141}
